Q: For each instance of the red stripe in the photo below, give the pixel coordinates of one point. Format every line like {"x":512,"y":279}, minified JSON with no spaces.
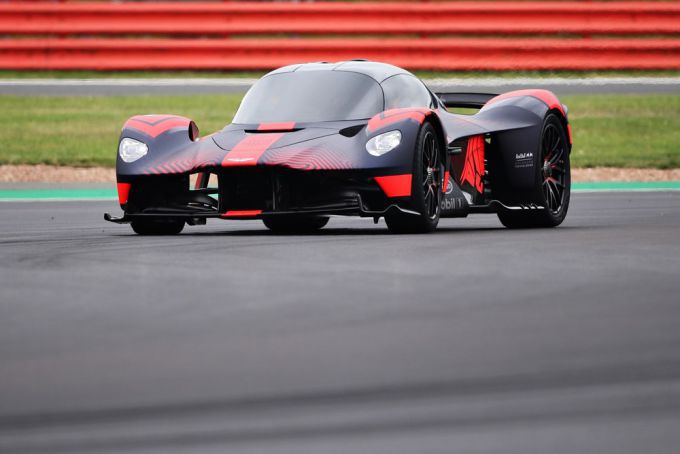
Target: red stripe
{"x":241,"y":213}
{"x":546,"y":96}
{"x":199,"y":181}
{"x":394,"y":115}
{"x":395,"y":185}
{"x":123,"y":192}
{"x":249,"y":150}
{"x":174,"y":167}
{"x":473,"y":169}
{"x":446,"y":181}
{"x":569,"y":132}
{"x":156,"y":124}
{"x":287,"y":126}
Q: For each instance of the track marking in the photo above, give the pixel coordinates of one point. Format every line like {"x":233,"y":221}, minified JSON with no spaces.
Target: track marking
{"x":61,"y":195}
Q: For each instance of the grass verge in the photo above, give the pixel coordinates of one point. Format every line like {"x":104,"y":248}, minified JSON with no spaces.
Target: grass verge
{"x":609,"y":130}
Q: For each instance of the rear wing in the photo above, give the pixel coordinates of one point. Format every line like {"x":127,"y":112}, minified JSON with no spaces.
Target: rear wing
{"x":471,"y":100}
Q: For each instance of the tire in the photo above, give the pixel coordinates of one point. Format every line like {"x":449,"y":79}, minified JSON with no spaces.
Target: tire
{"x":553,"y":181}
{"x":295,"y":224}
{"x":426,"y":187}
{"x":157,"y":226}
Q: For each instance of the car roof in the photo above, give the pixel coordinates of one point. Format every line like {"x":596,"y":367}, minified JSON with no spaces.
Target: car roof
{"x":376,"y":70}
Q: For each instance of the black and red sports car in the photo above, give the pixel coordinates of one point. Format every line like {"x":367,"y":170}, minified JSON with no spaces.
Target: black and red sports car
{"x":353,"y":138}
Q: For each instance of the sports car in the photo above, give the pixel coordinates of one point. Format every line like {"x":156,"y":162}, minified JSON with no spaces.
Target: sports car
{"x":353,"y":138}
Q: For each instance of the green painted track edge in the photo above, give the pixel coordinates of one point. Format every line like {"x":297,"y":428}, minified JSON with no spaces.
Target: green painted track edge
{"x":110,"y":194}
{"x":58,"y":194}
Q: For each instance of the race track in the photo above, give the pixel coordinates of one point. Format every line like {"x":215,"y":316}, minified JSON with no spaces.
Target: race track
{"x":227,"y":338}
{"x":225,"y":85}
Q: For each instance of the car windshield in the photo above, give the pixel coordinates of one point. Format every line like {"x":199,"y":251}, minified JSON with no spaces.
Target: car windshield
{"x":311,"y":96}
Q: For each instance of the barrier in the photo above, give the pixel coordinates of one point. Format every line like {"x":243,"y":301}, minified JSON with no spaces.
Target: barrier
{"x":620,"y":18}
{"x":448,"y":54}
{"x":107,"y":36}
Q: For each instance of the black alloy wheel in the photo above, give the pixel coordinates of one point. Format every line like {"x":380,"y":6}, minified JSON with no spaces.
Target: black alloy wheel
{"x":426,"y":187}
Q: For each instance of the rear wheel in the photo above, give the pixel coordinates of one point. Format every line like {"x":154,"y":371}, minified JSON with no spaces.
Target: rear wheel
{"x":295,"y":224}
{"x":157,"y":226}
{"x":426,"y":187}
{"x":553,"y":182}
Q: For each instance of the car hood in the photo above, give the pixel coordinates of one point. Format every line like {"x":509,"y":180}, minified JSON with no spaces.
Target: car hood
{"x":230,"y":137}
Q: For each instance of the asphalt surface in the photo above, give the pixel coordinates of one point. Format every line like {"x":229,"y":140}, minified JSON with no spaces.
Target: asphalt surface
{"x":474,"y":339}
{"x":116,"y":87}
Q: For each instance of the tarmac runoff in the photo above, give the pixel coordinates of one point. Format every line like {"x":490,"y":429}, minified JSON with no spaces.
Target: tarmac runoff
{"x":47,"y":192}
{"x":176,"y":86}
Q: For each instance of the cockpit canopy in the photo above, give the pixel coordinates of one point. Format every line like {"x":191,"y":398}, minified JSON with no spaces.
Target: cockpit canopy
{"x":328,"y":95}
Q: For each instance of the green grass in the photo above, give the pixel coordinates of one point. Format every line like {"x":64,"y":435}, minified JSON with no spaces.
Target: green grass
{"x":13,"y":74}
{"x":609,"y":130}
{"x":83,"y":131}
{"x":625,"y":130}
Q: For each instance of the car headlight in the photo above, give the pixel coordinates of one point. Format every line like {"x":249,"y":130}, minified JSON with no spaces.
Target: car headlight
{"x":131,"y":150}
{"x":382,"y":143}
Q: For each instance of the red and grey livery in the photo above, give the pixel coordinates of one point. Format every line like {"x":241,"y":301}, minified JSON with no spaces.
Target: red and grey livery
{"x":351,"y":138}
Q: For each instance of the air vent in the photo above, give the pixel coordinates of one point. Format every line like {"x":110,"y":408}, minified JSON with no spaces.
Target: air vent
{"x":351,"y":131}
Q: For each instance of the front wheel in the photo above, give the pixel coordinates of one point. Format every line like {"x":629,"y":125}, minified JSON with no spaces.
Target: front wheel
{"x":553,"y":183}
{"x":295,"y":224}
{"x":426,"y":187}
{"x":157,"y":226}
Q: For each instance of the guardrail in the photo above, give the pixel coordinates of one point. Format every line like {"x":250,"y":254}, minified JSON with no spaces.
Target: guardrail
{"x":456,"y":54}
{"x":444,"y":36}
{"x":495,"y":18}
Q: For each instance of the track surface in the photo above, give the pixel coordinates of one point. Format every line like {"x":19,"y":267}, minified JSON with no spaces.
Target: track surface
{"x":117,"y":87}
{"x":474,"y":339}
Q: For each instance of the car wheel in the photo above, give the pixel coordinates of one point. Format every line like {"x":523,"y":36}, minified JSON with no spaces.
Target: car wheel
{"x":295,"y":224}
{"x":426,"y":187}
{"x":157,"y":226}
{"x":553,"y":182}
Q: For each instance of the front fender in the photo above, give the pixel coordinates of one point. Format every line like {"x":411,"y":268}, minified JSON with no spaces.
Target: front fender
{"x":406,"y":120}
{"x":165,"y":136}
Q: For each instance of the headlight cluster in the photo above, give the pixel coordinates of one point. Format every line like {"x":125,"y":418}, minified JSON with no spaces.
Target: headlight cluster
{"x":382,"y":143}
{"x":131,"y":150}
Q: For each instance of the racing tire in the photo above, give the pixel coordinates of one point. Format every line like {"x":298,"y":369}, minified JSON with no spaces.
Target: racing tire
{"x":295,"y":224}
{"x":157,"y":226}
{"x":426,"y":187}
{"x":553,"y":181}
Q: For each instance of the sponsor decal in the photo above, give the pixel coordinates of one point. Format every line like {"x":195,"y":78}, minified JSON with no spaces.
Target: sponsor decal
{"x":452,"y":200}
{"x":452,"y":203}
{"x":449,"y":186}
{"x":524,"y":160}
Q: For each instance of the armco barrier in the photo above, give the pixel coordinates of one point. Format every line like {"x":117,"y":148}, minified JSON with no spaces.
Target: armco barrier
{"x":507,"y":36}
{"x":442,"y":54}
{"x":620,"y":18}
